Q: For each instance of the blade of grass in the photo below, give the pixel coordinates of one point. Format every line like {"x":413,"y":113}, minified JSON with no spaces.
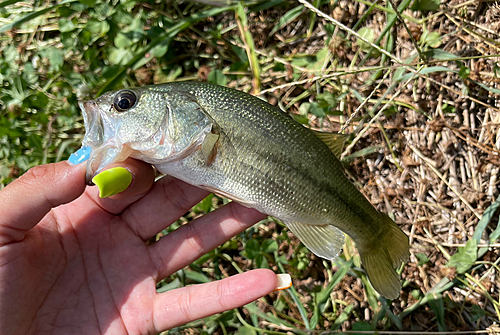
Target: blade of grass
{"x":363,"y":18}
{"x":303,"y":313}
{"x":373,"y":119}
{"x":31,"y":15}
{"x":387,"y":310}
{"x":162,"y":40}
{"x":389,"y":10}
{"x":495,"y":234}
{"x":246,"y":35}
{"x":287,"y":18}
{"x":252,"y":308}
{"x":344,"y":27}
{"x":323,"y":296}
{"x":389,"y":44}
{"x":389,"y":145}
{"x":390,"y":23}
{"x":483,"y":223}
{"x":427,"y":70}
{"x":436,"y":303}
{"x":433,"y":69}
{"x":461,"y":94}
{"x":362,"y":153}
{"x":363,"y":102}
{"x":8,"y":2}
{"x":496,"y":304}
{"x":466,"y":256}
{"x":293,"y":293}
{"x":344,"y":316}
{"x":256,"y":329}
{"x":443,"y":285}
{"x":312,"y":18}
{"x":483,"y":291}
{"x":400,"y":18}
{"x":263,"y":5}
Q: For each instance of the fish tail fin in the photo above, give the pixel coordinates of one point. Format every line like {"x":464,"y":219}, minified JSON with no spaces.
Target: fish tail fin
{"x":383,"y":255}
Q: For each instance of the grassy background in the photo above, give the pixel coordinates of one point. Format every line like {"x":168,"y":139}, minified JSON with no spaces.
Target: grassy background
{"x":414,"y":83}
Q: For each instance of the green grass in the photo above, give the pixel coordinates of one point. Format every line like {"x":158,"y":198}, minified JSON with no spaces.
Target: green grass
{"x":413,"y":83}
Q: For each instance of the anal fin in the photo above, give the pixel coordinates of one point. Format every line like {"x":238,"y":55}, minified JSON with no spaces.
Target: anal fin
{"x":325,"y":241}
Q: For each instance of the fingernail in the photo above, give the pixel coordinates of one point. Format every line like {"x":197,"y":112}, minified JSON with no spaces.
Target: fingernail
{"x":80,"y":155}
{"x":112,"y":181}
{"x":284,"y":281}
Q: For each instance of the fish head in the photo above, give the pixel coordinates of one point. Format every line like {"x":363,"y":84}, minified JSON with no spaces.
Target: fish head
{"x":144,"y":123}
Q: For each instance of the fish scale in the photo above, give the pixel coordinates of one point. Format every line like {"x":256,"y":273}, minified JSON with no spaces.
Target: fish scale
{"x":261,"y":158}
{"x":320,"y":167}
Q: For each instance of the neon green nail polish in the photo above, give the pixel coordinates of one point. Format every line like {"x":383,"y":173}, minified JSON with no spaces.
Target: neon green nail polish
{"x":112,"y":181}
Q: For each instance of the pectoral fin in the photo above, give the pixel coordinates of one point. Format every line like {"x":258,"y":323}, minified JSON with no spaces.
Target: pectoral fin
{"x":209,"y":147}
{"x":325,"y":241}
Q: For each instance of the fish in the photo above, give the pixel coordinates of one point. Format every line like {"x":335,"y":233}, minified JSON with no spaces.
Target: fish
{"x":241,"y":147}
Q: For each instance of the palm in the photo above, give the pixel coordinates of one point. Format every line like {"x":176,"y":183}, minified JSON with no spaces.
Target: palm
{"x":86,"y":269}
{"x":102,"y":274}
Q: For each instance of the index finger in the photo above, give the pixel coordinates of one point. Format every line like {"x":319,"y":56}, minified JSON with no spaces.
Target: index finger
{"x":167,"y":201}
{"x":143,"y":177}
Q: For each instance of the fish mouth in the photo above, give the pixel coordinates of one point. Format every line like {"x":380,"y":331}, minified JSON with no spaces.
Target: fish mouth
{"x":100,"y":137}
{"x":94,"y":129}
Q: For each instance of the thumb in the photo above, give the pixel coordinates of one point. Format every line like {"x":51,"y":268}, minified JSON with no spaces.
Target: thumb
{"x":25,"y":201}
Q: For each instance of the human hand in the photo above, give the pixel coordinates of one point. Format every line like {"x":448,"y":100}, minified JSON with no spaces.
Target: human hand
{"x":73,"y":263}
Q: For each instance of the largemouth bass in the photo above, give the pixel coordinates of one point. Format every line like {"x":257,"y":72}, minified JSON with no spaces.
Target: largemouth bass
{"x":243,"y":148}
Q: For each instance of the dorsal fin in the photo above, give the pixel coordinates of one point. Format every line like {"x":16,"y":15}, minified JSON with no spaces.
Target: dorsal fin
{"x":334,"y":141}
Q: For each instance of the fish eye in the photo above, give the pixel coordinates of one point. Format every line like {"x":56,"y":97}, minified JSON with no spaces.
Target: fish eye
{"x":124,"y":100}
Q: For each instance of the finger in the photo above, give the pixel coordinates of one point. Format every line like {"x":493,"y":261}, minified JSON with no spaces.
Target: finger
{"x":186,"y":244}
{"x":28,"y":199}
{"x":181,"y":306}
{"x":143,"y":177}
{"x":168,"y":200}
